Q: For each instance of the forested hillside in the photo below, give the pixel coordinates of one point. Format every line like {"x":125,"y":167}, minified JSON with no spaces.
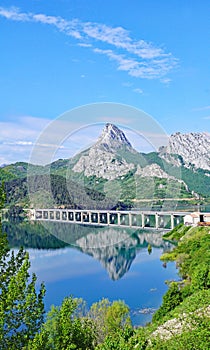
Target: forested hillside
{"x":64,"y":187}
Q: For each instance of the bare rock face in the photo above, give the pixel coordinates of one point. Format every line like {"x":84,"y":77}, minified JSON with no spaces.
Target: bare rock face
{"x":103,"y":159}
{"x":113,"y":139}
{"x":153,"y":170}
{"x":194,"y":149}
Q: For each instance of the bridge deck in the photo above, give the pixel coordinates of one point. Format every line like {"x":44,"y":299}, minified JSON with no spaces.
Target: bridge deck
{"x":133,"y":219}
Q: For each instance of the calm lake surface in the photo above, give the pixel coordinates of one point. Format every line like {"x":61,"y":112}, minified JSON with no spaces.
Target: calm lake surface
{"x":95,"y":263}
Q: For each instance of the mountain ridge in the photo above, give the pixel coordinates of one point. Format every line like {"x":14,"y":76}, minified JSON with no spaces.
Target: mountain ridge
{"x":112,"y":159}
{"x":193,"y":148}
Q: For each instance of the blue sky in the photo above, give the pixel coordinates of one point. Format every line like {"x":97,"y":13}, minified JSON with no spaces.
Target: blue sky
{"x":59,"y":55}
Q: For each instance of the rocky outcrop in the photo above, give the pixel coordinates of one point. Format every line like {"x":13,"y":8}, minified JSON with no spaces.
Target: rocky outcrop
{"x":185,"y":322}
{"x":153,"y":170}
{"x":193,"y":149}
{"x":102,"y":164}
{"x":103,"y":159}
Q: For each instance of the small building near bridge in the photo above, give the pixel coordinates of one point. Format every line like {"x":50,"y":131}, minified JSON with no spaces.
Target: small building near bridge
{"x":197,"y":218}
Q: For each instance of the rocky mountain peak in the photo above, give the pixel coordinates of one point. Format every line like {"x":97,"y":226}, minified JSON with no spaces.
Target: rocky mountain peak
{"x":112,"y":139}
{"x":104,"y":158}
{"x":194,"y":148}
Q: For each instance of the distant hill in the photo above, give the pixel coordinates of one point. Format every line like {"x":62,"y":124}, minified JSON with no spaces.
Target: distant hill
{"x":112,"y":169}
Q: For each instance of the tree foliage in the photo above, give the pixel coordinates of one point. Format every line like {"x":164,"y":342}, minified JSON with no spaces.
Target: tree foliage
{"x":109,"y":317}
{"x":66,"y":328}
{"x":70,"y":326}
{"x":21,"y":308}
{"x":171,"y":299}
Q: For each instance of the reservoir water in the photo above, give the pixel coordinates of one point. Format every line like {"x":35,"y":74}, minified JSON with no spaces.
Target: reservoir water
{"x":95,"y":263}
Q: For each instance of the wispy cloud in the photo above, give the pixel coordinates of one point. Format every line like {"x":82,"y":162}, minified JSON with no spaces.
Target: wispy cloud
{"x":84,"y":45}
{"x":30,"y":143}
{"x":120,"y":38}
{"x":138,"y":91}
{"x":14,"y":14}
{"x":138,"y":58}
{"x":18,"y":136}
{"x":21,"y":143}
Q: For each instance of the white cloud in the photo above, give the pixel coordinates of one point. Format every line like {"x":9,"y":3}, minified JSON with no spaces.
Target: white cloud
{"x":47,"y":19}
{"x":30,"y":143}
{"x":139,"y":69}
{"x":138,"y":91}
{"x":119,"y":37}
{"x":84,"y":45}
{"x":138,"y":58}
{"x":18,"y":136}
{"x":49,"y":145}
{"x":22,"y":143}
{"x":22,"y":128}
{"x":13,"y":14}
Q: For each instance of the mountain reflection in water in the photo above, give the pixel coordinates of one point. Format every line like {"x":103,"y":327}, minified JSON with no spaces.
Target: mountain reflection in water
{"x":66,"y":257}
{"x":115,"y":248}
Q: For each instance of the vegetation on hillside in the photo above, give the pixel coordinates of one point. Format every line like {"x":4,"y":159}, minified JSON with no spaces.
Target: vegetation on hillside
{"x":195,"y":179}
{"x":46,"y":191}
{"x":69,"y":188}
{"x":59,"y":185}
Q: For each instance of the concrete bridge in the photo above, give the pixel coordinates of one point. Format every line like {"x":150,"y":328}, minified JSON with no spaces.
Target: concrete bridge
{"x":136,"y":219}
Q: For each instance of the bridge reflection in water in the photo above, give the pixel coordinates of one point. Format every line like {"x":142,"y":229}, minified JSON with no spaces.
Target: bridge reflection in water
{"x":137,"y":219}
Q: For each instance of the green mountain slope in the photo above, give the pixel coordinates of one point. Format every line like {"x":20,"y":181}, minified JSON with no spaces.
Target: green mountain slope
{"x":196,"y":180}
{"x":131,"y":187}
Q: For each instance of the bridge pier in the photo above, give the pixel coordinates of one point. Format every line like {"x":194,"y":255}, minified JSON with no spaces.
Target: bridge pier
{"x":172,"y":221}
{"x":71,"y":216}
{"x":118,"y":219}
{"x":142,"y":220}
{"x":130,"y":219}
{"x":156,"y":221}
